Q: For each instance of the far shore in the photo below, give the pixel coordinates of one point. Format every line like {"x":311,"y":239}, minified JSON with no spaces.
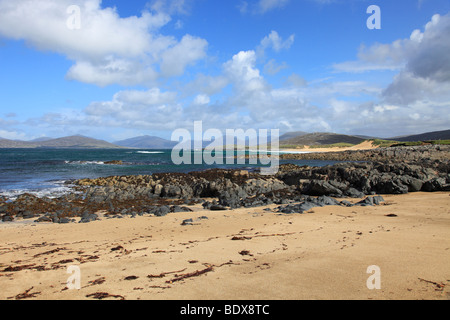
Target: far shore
{"x":366,"y":145}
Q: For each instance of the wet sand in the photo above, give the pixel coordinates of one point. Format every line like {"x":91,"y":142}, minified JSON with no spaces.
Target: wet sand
{"x":248,"y":254}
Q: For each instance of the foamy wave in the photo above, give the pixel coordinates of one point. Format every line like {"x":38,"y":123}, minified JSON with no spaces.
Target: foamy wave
{"x":52,"y":192}
{"x":85,"y":162}
{"x":150,"y":152}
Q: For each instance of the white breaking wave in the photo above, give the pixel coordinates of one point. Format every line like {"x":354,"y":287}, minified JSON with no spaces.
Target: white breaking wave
{"x":150,"y":152}
{"x":85,"y":162}
{"x":51,"y":192}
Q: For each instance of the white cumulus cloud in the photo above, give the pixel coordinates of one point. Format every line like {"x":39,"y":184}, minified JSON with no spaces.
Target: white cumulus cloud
{"x":106,"y":48}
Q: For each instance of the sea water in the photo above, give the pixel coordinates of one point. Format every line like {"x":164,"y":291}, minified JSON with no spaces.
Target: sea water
{"x":48,"y":172}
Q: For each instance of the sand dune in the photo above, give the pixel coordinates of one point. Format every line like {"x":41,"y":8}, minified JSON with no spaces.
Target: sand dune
{"x":247,"y":254}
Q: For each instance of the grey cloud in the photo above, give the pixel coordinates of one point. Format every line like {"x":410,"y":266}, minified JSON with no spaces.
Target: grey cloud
{"x":406,"y":89}
{"x":433,"y":57}
{"x":426,"y":76}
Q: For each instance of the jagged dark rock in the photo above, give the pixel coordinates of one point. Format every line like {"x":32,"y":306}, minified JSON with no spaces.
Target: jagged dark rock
{"x":354,"y":179}
{"x":87,"y":217}
{"x":296,"y":188}
{"x":7,"y":218}
{"x":162,"y":211}
{"x":187,"y":222}
{"x":43,"y":219}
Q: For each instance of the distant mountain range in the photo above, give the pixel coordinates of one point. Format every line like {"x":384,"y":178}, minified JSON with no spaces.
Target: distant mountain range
{"x":146,"y":142}
{"x":292,"y":135}
{"x":309,"y":139}
{"x":435,"y":135}
{"x":152,"y":142}
{"x":41,"y":139}
{"x":72,"y":142}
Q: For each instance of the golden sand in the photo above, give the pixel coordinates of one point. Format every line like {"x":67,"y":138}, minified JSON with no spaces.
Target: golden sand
{"x":248,"y":254}
{"x":365,"y":145}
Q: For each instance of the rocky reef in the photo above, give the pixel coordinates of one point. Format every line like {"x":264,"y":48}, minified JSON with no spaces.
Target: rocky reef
{"x":295,"y":189}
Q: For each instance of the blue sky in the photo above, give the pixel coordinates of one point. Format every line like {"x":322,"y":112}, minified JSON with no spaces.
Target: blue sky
{"x":129,"y":68}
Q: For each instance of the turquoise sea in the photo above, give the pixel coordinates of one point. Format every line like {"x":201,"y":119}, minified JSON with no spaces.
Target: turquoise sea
{"x":47,"y":171}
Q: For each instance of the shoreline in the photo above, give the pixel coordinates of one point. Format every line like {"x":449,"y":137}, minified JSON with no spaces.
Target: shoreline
{"x":419,"y":154}
{"x":305,"y":233}
{"x":421,"y":169}
{"x":366,"y":145}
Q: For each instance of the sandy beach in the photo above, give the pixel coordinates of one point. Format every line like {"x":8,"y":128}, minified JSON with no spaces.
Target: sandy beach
{"x":366,"y":145}
{"x":201,"y":152}
{"x":242,"y":254}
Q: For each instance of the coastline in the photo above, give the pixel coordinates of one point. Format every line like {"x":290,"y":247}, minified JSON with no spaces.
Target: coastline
{"x":366,"y":145}
{"x":305,"y":233}
{"x":416,"y":154}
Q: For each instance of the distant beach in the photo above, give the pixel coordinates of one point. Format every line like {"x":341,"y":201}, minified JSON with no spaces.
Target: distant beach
{"x":366,"y":145}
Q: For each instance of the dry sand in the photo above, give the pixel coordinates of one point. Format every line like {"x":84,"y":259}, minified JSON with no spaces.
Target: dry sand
{"x":365,"y":145}
{"x":323,"y":254}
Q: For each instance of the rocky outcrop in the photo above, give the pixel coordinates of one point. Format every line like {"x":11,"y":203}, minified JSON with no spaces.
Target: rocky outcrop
{"x":115,"y":162}
{"x":228,"y":185}
{"x":309,"y":203}
{"x":295,"y":189}
{"x":428,"y":155}
{"x":357,"y":179}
